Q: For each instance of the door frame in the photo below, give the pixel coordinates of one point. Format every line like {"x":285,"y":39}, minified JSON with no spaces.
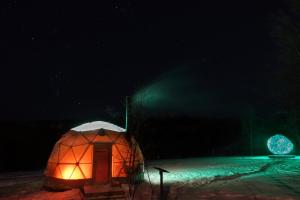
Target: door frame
{"x":106,"y":146}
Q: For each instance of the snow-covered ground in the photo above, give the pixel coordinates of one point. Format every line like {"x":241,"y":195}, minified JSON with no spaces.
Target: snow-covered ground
{"x":196,"y":178}
{"x":228,"y":178}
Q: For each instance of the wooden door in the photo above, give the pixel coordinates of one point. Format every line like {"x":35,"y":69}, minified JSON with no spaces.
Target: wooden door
{"x":102,"y":163}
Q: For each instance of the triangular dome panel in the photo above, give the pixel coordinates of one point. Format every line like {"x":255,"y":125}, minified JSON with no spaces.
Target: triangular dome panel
{"x":80,"y":140}
{"x":69,"y":157}
{"x":62,"y":151}
{"x":76,"y":174}
{"x":79,"y":151}
{"x":113,"y":136}
{"x":57,"y":173}
{"x":68,"y":140}
{"x":66,"y":170}
{"x":86,"y":169}
{"x":87,"y":157}
{"x":90,"y":137}
{"x":121,"y":141}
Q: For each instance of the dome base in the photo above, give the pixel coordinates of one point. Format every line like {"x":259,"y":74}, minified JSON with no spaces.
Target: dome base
{"x":282,"y":156}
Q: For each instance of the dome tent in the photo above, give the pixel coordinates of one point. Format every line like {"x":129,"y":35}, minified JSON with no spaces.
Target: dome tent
{"x":95,"y":152}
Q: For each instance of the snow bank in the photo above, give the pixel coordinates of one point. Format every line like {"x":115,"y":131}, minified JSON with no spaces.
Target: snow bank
{"x":199,"y":171}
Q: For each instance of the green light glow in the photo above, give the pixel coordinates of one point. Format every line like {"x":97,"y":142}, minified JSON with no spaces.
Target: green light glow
{"x":205,"y":170}
{"x":280,"y":145}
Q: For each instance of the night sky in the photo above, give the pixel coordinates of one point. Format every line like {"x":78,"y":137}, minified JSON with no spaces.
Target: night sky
{"x":70,"y":60}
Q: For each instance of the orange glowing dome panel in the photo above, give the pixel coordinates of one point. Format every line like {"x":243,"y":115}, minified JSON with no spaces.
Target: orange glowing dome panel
{"x":72,"y":155}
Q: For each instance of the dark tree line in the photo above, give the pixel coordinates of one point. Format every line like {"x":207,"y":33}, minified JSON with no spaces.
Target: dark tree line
{"x":284,"y":82}
{"x":286,"y":36}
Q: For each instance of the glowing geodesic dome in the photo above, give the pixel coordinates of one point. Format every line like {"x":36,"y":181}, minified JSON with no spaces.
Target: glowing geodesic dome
{"x":280,"y":145}
{"x":72,"y":157}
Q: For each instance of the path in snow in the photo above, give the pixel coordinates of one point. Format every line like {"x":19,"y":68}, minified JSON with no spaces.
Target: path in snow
{"x":198,"y":178}
{"x":229,"y":178}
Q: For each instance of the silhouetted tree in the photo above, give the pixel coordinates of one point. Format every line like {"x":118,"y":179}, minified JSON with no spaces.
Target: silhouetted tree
{"x":286,"y":35}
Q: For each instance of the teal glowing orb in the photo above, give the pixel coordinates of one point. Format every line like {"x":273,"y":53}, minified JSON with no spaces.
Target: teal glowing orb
{"x":280,"y":145}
